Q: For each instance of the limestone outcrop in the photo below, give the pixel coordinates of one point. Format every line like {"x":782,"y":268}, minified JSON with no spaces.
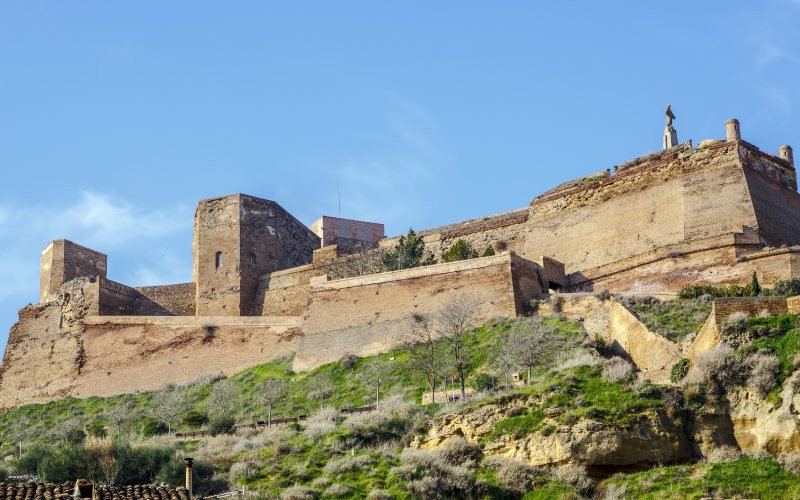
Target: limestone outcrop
{"x":655,"y":437}
{"x":760,"y":425}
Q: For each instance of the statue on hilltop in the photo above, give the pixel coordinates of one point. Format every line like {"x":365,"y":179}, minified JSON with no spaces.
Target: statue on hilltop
{"x":670,"y":134}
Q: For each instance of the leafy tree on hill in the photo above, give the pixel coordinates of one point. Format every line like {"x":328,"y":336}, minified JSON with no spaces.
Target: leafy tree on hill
{"x":461,"y":250}
{"x":409,"y":252}
{"x":488,"y":252}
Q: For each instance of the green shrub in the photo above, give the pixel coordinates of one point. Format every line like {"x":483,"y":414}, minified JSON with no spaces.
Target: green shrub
{"x":697,"y":290}
{"x":409,"y":252}
{"x":486,"y":382}
{"x":28,"y":463}
{"x":755,"y":287}
{"x":140,"y":465}
{"x":152,"y":427}
{"x":75,"y":436}
{"x":488,"y":252}
{"x":461,"y":250}
{"x":97,"y":428}
{"x":679,"y":370}
{"x":785,"y":288}
{"x":223,"y":424}
{"x":195,"y":419}
{"x":65,"y":464}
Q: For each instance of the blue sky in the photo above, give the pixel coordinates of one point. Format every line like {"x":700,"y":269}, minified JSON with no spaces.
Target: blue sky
{"x":116,"y":117}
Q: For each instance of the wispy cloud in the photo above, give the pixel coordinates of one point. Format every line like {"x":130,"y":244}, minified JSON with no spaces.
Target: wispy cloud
{"x":771,"y":62}
{"x":388,"y":185}
{"x":97,"y":220}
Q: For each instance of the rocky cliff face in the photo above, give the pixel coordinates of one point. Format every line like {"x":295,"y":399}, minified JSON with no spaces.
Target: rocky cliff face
{"x":760,"y":425}
{"x":655,"y":437}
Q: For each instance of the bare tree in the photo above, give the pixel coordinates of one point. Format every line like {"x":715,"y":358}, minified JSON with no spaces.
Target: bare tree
{"x":505,"y":355}
{"x":120,"y":414}
{"x":453,"y":322}
{"x":222,"y":397}
{"x":169,"y":406}
{"x":66,"y":428}
{"x":320,"y":387}
{"x":530,"y":338}
{"x":20,"y":430}
{"x":427,"y":353}
{"x":271,"y":392}
{"x":376,"y":374}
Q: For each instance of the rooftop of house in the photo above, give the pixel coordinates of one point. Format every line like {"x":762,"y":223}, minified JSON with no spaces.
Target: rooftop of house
{"x":57,"y":491}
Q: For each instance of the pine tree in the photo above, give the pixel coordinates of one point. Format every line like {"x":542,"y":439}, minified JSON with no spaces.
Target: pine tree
{"x":409,"y":252}
{"x":461,"y":250}
{"x":755,"y":288}
{"x":488,"y":252}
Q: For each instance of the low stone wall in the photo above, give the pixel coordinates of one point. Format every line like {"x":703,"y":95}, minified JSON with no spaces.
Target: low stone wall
{"x":710,"y":334}
{"x":116,"y":299}
{"x":372,"y":314}
{"x":752,"y":306}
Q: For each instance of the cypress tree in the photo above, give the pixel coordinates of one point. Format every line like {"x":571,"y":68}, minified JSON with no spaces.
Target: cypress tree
{"x":755,"y":288}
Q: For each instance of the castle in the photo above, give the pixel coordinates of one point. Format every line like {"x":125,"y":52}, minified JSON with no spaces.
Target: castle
{"x":265,"y":286}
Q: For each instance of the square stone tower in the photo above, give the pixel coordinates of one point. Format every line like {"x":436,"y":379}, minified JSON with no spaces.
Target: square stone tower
{"x":62,"y":261}
{"x":238,"y":238}
{"x":347,"y":232}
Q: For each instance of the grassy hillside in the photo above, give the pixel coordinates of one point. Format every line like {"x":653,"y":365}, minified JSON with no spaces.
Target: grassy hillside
{"x":747,"y":477}
{"x":338,"y":455}
{"x":334,"y":384}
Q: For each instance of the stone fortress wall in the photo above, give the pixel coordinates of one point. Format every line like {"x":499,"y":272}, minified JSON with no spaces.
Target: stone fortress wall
{"x":262,"y":284}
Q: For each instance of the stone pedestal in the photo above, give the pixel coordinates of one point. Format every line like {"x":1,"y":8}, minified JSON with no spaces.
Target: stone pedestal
{"x":670,"y":137}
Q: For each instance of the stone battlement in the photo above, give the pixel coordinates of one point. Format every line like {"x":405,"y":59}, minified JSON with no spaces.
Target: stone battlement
{"x":264,"y":285}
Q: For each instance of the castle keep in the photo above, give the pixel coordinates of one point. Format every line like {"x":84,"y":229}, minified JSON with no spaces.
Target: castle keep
{"x":264,"y":285}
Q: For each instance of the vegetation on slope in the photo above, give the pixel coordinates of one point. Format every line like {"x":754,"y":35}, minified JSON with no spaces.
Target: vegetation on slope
{"x":576,"y":393}
{"x":781,"y":288}
{"x":333,"y":454}
{"x":674,"y":319}
{"x":747,"y":477}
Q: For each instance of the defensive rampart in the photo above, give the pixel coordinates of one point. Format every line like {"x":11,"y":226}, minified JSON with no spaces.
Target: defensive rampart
{"x":372,"y":314}
{"x":139,"y":353}
{"x":60,"y":349}
{"x":653,"y":225}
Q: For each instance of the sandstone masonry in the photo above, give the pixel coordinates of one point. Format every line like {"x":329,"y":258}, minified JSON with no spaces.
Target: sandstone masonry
{"x":264,"y":285}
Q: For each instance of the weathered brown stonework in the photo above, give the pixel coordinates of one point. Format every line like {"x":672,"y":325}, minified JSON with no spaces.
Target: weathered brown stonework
{"x":713,"y":214}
